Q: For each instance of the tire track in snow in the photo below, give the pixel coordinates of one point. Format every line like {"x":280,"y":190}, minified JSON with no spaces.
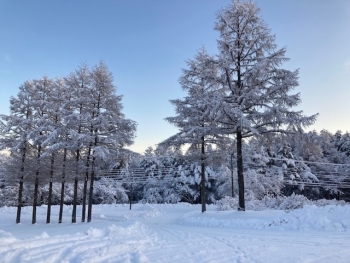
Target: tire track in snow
{"x":97,"y":245}
{"x":185,"y":244}
{"x":86,"y":251}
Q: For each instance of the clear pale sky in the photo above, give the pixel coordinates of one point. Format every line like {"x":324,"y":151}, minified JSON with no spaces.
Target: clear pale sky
{"x":145,"y":44}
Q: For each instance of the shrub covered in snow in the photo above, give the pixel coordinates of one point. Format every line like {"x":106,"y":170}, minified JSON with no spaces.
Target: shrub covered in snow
{"x":227,"y":203}
{"x":8,"y":196}
{"x":109,"y":192}
{"x":270,"y":202}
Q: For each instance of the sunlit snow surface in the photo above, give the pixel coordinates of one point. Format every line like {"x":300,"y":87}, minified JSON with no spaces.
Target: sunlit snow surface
{"x":178,"y":233}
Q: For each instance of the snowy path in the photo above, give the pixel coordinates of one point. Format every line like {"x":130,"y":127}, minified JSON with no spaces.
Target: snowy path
{"x":220,"y":245}
{"x":172,"y":233}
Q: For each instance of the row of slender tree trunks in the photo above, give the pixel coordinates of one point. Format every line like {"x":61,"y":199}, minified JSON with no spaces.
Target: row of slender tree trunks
{"x":49,"y":200}
{"x":75,"y":200}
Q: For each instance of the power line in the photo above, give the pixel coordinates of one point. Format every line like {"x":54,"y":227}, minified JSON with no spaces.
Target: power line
{"x":161,"y":176}
{"x":268,"y":157}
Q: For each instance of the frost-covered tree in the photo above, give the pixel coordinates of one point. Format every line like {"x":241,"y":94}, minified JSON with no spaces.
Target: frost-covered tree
{"x":344,"y":143}
{"x":244,"y":89}
{"x":58,"y":140}
{"x":334,"y":164}
{"x":257,"y":97}
{"x":65,"y":127}
{"x":306,"y":146}
{"x":14,"y":135}
{"x":110,"y":131}
{"x":169,"y":177}
{"x":79,"y":84}
{"x":195,"y":113}
{"x":39,"y":131}
{"x":328,"y":143}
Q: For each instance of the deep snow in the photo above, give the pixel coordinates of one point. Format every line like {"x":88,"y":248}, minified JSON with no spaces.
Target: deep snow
{"x":178,"y":233}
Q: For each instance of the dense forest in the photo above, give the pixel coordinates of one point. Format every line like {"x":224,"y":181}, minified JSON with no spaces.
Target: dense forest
{"x":312,"y":164}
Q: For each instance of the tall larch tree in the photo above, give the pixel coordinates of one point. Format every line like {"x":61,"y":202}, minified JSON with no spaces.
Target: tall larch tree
{"x":53,"y":126}
{"x":79,"y":83}
{"x":196,"y":112}
{"x":110,"y":131}
{"x":39,"y":132}
{"x":257,"y":97}
{"x":15,"y":130}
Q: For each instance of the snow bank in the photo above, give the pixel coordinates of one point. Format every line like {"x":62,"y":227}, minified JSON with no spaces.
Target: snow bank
{"x":6,"y":237}
{"x":112,"y":231}
{"x":271,"y":202}
{"x":311,"y":217}
{"x":324,"y":218}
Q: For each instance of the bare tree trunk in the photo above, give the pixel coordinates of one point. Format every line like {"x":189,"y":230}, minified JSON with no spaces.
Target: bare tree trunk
{"x":240,"y":172}
{"x":241,"y":200}
{"x":83,"y":212}
{"x":87,"y":173}
{"x":20,"y":189}
{"x":62,"y":186}
{"x":91,"y":192}
{"x":20,"y":202}
{"x":61,"y":202}
{"x":48,"y":215}
{"x":75,"y":201}
{"x":74,"y":211}
{"x":92,"y":178}
{"x":35,"y":200}
{"x":75,"y":198}
{"x":203,"y":197}
{"x":49,"y":200}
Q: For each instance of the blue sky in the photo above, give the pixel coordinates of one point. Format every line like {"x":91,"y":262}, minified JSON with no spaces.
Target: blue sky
{"x":145,"y":43}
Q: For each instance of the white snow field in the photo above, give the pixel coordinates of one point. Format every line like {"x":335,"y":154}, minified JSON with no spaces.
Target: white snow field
{"x":178,"y":233}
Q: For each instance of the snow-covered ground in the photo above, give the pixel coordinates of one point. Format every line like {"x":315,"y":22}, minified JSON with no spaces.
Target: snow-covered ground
{"x":178,"y":233}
